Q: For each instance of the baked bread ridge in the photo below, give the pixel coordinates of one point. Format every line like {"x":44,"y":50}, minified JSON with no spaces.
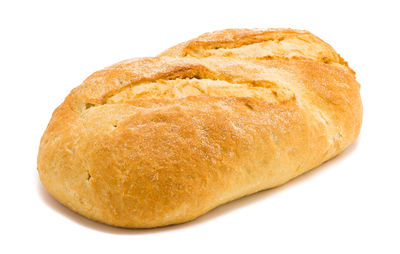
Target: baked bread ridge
{"x":154,"y":157}
{"x":259,"y":44}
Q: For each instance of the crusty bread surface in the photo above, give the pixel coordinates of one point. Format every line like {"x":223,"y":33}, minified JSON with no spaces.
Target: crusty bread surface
{"x":149,"y":142}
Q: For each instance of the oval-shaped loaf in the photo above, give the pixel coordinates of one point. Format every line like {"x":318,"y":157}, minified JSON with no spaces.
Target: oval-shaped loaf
{"x":156,"y":141}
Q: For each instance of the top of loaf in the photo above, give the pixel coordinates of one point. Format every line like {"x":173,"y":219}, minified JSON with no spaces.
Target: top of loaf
{"x":258,"y":44}
{"x":174,"y":78}
{"x":197,"y":68}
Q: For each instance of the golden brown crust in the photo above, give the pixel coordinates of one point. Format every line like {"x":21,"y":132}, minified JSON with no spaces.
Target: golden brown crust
{"x":157,"y":141}
{"x":258,"y":43}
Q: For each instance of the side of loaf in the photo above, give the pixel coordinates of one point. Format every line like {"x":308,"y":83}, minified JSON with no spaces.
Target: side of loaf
{"x":156,"y":141}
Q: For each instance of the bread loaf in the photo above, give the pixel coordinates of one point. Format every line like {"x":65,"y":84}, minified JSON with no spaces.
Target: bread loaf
{"x":155,"y":141}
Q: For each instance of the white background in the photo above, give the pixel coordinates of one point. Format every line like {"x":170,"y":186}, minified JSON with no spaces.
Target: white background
{"x":350,"y":204}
